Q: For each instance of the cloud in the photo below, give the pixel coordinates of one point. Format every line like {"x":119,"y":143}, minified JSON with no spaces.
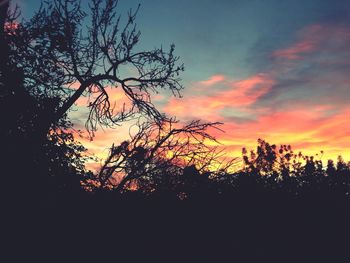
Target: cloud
{"x":315,"y":68}
{"x":232,"y":94}
{"x":319,"y":38}
{"x":306,"y":129}
{"x":212,"y":80}
{"x":301,"y":99}
{"x":296,"y":51}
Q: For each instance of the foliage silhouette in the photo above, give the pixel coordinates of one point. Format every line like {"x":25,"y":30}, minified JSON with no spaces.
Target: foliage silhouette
{"x":35,"y":163}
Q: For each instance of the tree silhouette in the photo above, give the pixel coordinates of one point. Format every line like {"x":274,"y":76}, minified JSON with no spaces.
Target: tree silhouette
{"x":34,"y":163}
{"x":160,"y":155}
{"x":61,"y":54}
{"x":66,"y":52}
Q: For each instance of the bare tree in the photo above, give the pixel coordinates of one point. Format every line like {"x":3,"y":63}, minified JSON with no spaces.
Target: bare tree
{"x":158,"y":150}
{"x":68,"y":52}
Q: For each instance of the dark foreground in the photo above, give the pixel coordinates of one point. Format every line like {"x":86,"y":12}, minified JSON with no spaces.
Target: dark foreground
{"x":249,"y":228}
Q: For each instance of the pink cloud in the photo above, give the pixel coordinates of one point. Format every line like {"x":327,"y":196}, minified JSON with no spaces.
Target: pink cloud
{"x":237,"y":94}
{"x":315,"y":38}
{"x":307,"y":42}
{"x":247,"y":91}
{"x":212,"y":80}
{"x":295,"y":51}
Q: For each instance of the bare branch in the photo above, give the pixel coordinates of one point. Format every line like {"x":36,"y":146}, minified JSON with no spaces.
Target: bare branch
{"x":64,"y":45}
{"x":158,"y":149}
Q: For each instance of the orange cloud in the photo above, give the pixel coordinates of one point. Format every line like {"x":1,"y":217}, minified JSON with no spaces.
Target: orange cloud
{"x":304,"y":128}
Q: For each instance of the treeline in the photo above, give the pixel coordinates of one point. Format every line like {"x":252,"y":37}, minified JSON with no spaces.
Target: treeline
{"x":267,"y":171}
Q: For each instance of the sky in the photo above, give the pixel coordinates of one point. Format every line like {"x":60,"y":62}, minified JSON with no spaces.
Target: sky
{"x":274,"y":69}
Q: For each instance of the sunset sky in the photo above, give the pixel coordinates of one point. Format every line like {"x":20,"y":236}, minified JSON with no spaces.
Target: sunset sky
{"x":272,"y":69}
